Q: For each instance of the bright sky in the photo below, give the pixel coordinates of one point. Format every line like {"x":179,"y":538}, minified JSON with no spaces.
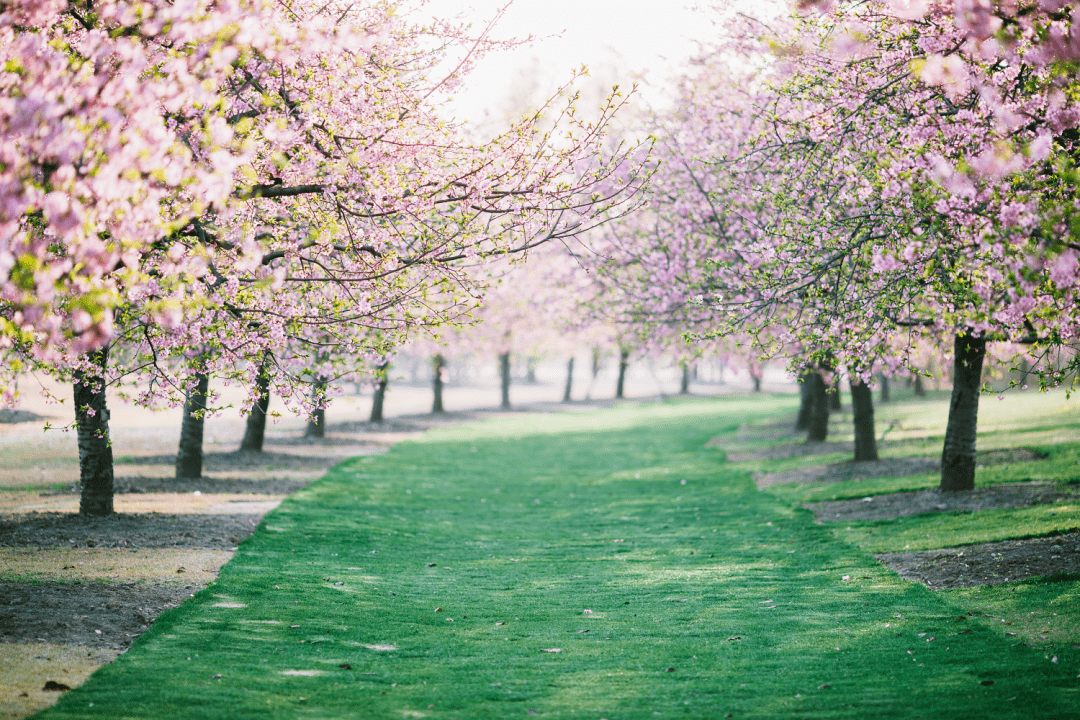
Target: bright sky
{"x":616,"y":39}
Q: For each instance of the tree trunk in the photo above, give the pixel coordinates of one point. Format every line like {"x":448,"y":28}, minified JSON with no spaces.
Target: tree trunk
{"x":684,"y":384}
{"x":189,"y":456}
{"x":255,"y":431}
{"x":862,"y":406}
{"x":438,"y":367}
{"x":958,"y":453}
{"x":595,"y":368}
{"x":378,"y":398}
{"x":95,"y":445}
{"x":802,"y":422}
{"x":755,"y":376}
{"x":920,"y":391}
{"x":504,"y":370}
{"x":624,"y":362}
{"x":530,"y":370}
{"x":316,"y":426}
{"x":884,"y":387}
{"x":569,"y":380}
{"x":834,"y":397}
{"x":818,"y":428}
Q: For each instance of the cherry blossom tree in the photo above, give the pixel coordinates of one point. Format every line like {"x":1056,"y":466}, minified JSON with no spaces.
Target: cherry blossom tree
{"x":860,"y":182}
{"x":256,"y":178}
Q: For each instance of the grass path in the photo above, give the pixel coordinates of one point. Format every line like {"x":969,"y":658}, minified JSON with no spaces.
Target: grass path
{"x":439,"y":580}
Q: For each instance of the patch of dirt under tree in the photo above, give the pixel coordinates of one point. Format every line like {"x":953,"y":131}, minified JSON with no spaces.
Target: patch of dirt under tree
{"x":93,"y":614}
{"x":989,"y":563}
{"x":886,"y":467}
{"x":902,"y":504}
{"x":134,"y":530}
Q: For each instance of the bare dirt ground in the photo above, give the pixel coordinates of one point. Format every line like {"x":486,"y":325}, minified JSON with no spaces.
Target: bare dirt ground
{"x":96,"y":615}
{"x":989,"y":563}
{"x":885,"y":467}
{"x":883,"y":507}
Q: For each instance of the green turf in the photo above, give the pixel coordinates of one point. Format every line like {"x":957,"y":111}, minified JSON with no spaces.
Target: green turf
{"x":429,"y":581}
{"x":1061,"y":467}
{"x":949,"y":529}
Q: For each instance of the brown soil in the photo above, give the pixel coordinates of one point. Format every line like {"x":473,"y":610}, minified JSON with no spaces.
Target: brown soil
{"x":885,"y":467}
{"x":784,"y":451}
{"x":882,"y":507}
{"x":989,"y":563}
{"x":141,"y":530}
{"x":96,"y":615}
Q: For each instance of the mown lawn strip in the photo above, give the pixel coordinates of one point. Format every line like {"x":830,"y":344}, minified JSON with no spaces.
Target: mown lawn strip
{"x":378,"y":592}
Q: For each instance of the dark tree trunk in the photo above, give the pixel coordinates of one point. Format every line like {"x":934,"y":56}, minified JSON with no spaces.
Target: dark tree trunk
{"x":755,"y":376}
{"x":530,"y":370}
{"x":255,"y":431}
{"x":684,"y":384}
{"x":862,"y":406}
{"x":595,"y":368}
{"x":189,"y":456}
{"x":884,"y":387}
{"x":818,"y":428}
{"x":378,"y":398}
{"x":316,"y":426}
{"x":834,"y":397}
{"x":624,"y":362}
{"x":920,"y":391}
{"x":569,"y":380}
{"x":802,"y":422}
{"x":438,"y":367}
{"x":504,"y":371}
{"x":958,"y":453}
{"x":95,"y":445}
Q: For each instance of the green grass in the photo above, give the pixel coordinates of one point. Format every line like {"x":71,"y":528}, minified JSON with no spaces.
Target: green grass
{"x":1062,"y":467}
{"x":474,"y":550}
{"x":950,"y":529}
{"x":1041,"y":611}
